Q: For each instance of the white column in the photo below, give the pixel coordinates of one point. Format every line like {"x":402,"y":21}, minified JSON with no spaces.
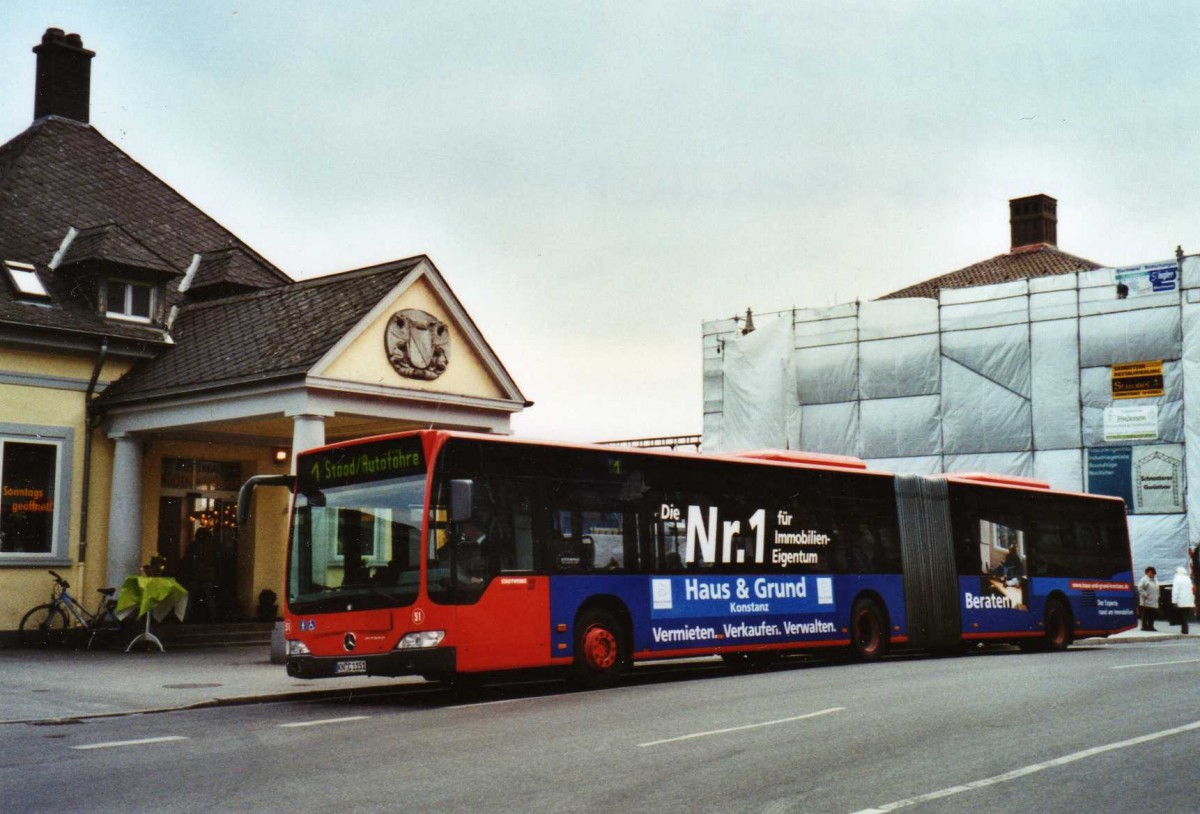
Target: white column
{"x":125,"y":511}
{"x":308,"y":431}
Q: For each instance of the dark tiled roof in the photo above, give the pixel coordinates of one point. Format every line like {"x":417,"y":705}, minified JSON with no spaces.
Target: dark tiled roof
{"x":230,"y":267}
{"x":1041,"y":260}
{"x":60,"y":174}
{"x":112,"y":244}
{"x":261,"y":336}
{"x":69,"y":315}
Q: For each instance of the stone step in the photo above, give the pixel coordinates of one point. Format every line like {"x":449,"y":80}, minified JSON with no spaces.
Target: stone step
{"x":212,"y":635}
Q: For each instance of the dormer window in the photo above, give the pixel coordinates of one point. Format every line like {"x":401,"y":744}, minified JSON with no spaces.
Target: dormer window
{"x":129,"y":300}
{"x":25,"y":280}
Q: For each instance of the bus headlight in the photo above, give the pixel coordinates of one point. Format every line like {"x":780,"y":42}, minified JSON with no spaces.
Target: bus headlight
{"x":421,"y":638}
{"x":297,"y":648}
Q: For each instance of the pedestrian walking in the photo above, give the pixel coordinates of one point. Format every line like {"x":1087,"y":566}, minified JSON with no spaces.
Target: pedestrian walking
{"x":1183,"y":596}
{"x":1148,"y":597}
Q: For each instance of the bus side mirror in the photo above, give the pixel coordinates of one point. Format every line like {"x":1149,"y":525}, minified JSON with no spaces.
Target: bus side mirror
{"x":460,"y":500}
{"x":243,"y":508}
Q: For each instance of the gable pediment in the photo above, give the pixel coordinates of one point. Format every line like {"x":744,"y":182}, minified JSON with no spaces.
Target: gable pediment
{"x":419,"y":338}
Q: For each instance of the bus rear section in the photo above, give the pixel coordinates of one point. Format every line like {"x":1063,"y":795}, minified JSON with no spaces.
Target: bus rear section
{"x":991,"y":558}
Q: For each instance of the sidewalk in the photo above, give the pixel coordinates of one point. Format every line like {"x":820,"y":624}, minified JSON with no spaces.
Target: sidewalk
{"x":41,"y":685}
{"x":38,"y":685}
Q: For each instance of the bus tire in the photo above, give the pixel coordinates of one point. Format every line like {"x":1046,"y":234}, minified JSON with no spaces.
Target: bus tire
{"x":1059,"y":626}
{"x":868,"y":631}
{"x":44,"y":626}
{"x":600,"y":649}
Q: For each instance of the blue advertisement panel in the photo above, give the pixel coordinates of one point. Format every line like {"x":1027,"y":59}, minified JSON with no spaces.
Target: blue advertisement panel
{"x":689,"y":613}
{"x":1019,"y":604}
{"x":1155,"y":278}
{"x":733,"y":609}
{"x":1110,"y":472}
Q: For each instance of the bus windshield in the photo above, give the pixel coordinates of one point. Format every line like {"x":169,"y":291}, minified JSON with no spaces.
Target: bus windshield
{"x":356,"y":534}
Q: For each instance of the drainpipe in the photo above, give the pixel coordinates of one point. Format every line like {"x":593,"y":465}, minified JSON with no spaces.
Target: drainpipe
{"x":91,"y":421}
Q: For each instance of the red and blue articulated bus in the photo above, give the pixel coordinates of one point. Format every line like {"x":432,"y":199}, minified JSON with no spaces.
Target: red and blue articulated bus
{"x":445,"y":555}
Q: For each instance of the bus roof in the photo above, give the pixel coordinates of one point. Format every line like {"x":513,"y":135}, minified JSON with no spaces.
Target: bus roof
{"x":792,"y":456}
{"x":769,"y":457}
{"x":1002,"y":480}
{"x":775,"y":457}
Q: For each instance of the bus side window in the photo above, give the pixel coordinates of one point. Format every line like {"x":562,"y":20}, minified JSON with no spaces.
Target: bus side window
{"x":591,"y":540}
{"x":571,"y":550}
{"x":523,"y":539}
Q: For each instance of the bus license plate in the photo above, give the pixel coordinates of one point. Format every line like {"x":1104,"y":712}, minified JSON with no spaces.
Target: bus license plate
{"x":353,"y":666}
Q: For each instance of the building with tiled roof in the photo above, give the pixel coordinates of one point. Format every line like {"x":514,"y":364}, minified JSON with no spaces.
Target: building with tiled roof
{"x":1034,"y":253}
{"x":151,"y":361}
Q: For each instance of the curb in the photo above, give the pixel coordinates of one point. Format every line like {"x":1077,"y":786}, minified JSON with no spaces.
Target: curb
{"x":1150,"y":637}
{"x":232,"y":701}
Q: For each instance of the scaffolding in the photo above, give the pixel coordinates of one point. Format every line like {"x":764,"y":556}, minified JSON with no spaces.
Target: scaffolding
{"x":1082,"y":379}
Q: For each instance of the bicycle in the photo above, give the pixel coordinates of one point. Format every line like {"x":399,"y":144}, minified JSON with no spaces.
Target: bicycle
{"x":50,"y":624}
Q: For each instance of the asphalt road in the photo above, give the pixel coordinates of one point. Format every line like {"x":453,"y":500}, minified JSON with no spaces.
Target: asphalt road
{"x":1103,"y":729}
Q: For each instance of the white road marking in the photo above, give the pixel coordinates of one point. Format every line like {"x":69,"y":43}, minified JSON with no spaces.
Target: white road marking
{"x":1028,"y":770}
{"x":326,"y":721}
{"x":474,"y":704}
{"x":1155,"y":664}
{"x":139,"y":742}
{"x":740,"y":728}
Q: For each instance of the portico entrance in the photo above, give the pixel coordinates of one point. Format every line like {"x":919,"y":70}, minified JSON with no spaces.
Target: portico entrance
{"x":198,"y":534}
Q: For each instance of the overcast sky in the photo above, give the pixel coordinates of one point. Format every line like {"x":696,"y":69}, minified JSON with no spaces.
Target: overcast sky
{"x":596,"y":179}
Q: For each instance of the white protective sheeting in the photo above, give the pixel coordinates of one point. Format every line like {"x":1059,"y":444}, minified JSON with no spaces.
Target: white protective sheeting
{"x":758,"y":387}
{"x":998,"y":354}
{"x":1054,"y":384}
{"x":712,"y":439}
{"x":998,"y":463}
{"x":904,"y":366}
{"x":984,"y":306}
{"x":887,"y":319}
{"x":1159,"y":540}
{"x":893,"y":428}
{"x":1191,"y":396}
{"x":979,"y":415}
{"x":1191,"y":272}
{"x":928,"y":465}
{"x":1012,"y":378}
{"x":1061,"y":468}
{"x":830,"y":428}
{"x":1129,"y":336}
{"x":835,"y":325}
{"x":826,"y":374}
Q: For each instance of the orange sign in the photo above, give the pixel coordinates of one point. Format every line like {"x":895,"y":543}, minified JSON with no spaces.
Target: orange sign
{"x":1136,"y":380}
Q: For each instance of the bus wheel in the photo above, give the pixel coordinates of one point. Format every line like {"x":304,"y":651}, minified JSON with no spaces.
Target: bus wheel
{"x":599,"y":649}
{"x":868,"y":635}
{"x":1059,"y":630}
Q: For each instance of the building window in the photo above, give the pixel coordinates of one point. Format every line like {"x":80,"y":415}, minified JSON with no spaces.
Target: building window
{"x":126,"y":300}
{"x":25,"y":280}
{"x":34,"y":493}
{"x":201,"y":476}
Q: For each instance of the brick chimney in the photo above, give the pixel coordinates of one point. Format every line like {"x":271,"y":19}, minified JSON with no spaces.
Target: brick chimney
{"x":64,"y":76}
{"x":1034,"y":221}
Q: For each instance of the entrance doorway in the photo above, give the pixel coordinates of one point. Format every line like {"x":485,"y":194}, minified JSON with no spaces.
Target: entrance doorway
{"x":198,"y":534}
